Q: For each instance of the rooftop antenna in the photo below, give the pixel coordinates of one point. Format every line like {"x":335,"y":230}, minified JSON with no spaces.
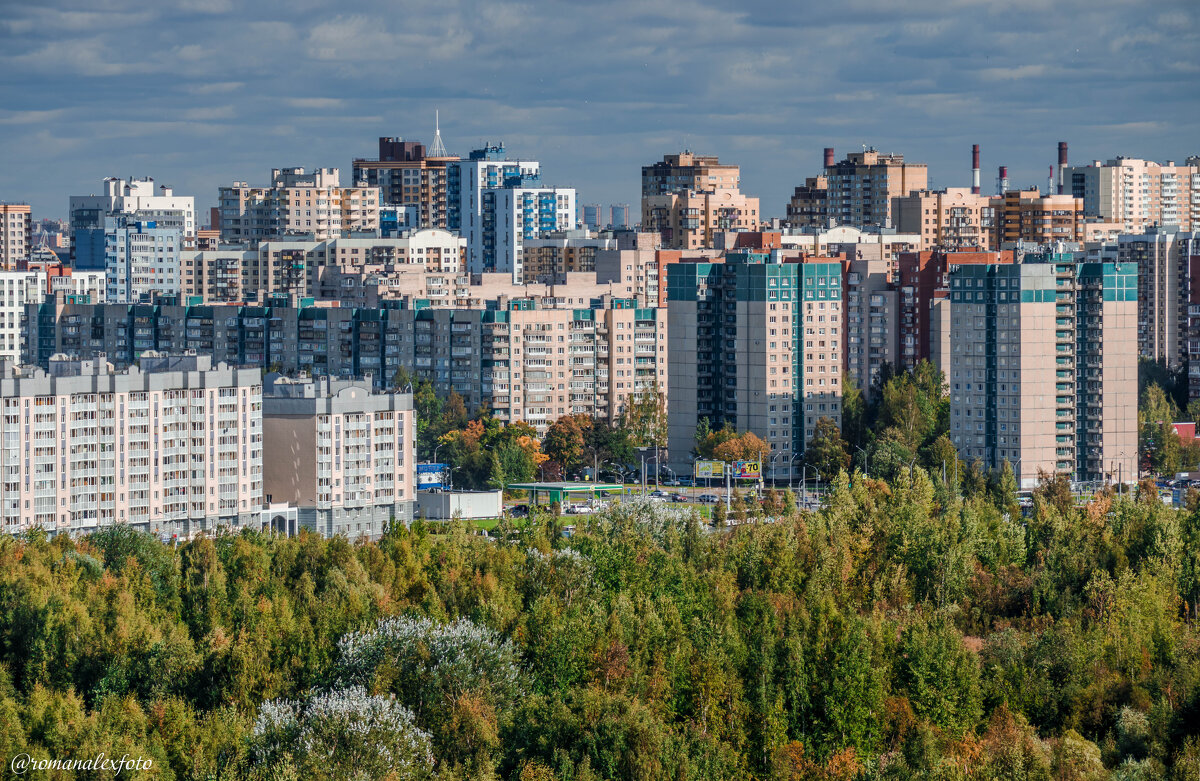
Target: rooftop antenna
{"x":439,"y":149}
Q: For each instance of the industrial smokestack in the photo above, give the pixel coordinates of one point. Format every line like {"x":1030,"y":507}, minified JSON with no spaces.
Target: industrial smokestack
{"x":1003,"y":179}
{"x":1062,"y":164}
{"x":975,"y":169}
{"x":829,"y":157}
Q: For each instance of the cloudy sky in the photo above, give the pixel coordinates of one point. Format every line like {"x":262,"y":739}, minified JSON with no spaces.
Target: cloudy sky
{"x":198,"y":93}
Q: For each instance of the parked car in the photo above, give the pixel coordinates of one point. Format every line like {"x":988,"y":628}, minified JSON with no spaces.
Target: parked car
{"x":671,"y":482}
{"x":519,"y":511}
{"x":709,"y":498}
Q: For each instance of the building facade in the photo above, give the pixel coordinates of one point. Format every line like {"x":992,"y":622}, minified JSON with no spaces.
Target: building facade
{"x":341,"y":452}
{"x":757,"y":345}
{"x":313,"y":205}
{"x":1138,"y":194}
{"x":173,"y":447}
{"x":408,"y":174}
{"x":1043,"y":367}
{"x":687,"y":199}
{"x":498,"y":203}
{"x":1163,"y":258}
{"x":588,"y":358}
{"x":16,"y":234}
{"x":1029,"y":216}
{"x":954,"y":218}
{"x":124,"y":202}
{"x":857,"y":191}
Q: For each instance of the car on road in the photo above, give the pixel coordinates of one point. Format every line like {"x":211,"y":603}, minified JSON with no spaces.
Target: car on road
{"x":680,"y":498}
{"x":519,"y":511}
{"x":660,"y":494}
{"x":708,"y":498}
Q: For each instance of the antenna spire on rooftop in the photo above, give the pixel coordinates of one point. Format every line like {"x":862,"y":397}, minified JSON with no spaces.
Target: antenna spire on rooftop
{"x":438,"y":149}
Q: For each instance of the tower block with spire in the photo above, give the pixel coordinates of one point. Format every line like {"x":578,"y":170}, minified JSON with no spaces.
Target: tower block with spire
{"x":409,"y":174}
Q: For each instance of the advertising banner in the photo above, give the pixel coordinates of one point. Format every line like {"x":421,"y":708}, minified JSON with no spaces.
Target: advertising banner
{"x":709,"y":469}
{"x":431,"y":476}
{"x":747,"y":470}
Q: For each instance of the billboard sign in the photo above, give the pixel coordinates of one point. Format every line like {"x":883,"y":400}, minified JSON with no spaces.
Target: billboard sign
{"x":709,"y":469}
{"x":431,"y":476}
{"x":747,"y":470}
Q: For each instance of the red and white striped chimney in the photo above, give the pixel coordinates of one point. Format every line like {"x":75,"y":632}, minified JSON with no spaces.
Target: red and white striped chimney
{"x":975,"y":169}
{"x":1003,"y":179}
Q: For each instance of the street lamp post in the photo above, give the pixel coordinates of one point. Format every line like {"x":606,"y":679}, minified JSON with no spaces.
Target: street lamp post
{"x":866,"y":456}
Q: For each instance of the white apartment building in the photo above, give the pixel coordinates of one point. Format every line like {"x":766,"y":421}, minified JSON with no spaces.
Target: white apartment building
{"x":18,"y":288}
{"x":497,"y":203}
{"x":173,"y":447}
{"x":135,"y":197}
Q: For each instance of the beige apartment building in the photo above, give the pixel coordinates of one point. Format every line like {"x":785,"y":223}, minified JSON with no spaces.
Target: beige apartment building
{"x":341,"y":452}
{"x":330,"y":269}
{"x":408,"y":174}
{"x":1029,"y":216}
{"x":872,"y":318}
{"x":171,"y":447}
{"x":689,"y":220}
{"x":1138,"y":194}
{"x":688,"y":198}
{"x":757,"y":345}
{"x":1164,"y":259}
{"x":858,"y":191}
{"x":541,"y":364}
{"x":1043,"y":367}
{"x":954,"y":218}
{"x":687,"y":171}
{"x":16,"y":234}
{"x":314,"y":205}
{"x":554,"y":254}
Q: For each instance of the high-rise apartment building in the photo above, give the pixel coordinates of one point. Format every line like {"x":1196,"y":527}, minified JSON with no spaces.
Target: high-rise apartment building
{"x":688,"y":199}
{"x":126,"y":202}
{"x":920,"y":280}
{"x":1043,"y":367}
{"x":1163,"y":259}
{"x":1029,"y":216}
{"x":591,"y":217}
{"x":554,"y":255}
{"x":872,"y":336}
{"x":18,"y":289}
{"x":527,"y":359}
{"x":408,"y":174}
{"x":16,"y":234}
{"x":757,"y":345}
{"x":299,"y":204}
{"x":1139,"y":194}
{"x":172,"y":447}
{"x":498,"y":203}
{"x":341,"y":452}
{"x":687,"y":171}
{"x":141,"y":259}
{"x":620,"y":216}
{"x":857,"y":191}
{"x":954,"y":218}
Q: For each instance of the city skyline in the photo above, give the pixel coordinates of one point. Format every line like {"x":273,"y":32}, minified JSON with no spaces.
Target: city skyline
{"x":605,"y":91}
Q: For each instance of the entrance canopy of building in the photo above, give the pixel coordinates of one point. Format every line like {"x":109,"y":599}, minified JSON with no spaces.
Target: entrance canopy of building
{"x":560,"y":492}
